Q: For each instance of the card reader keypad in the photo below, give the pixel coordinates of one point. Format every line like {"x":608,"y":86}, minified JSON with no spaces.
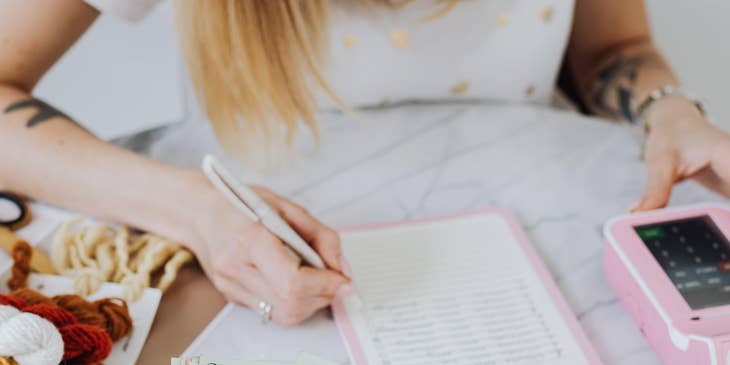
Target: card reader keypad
{"x":695,"y":255}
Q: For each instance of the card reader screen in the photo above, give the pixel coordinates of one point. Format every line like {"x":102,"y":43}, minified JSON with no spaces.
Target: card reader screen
{"x":696,"y":257}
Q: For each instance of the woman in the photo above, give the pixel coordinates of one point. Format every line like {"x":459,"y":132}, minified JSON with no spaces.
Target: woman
{"x":258,"y":66}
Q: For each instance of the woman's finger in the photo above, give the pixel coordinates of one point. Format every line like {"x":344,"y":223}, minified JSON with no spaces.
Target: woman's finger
{"x":323,"y":239}
{"x":660,"y":180}
{"x":315,"y":283}
{"x":306,"y":282}
{"x":273,"y":261}
{"x":284,"y":311}
{"x":321,"y":283}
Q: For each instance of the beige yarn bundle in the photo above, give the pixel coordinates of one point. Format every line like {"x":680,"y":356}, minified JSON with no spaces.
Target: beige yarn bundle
{"x":98,"y":253}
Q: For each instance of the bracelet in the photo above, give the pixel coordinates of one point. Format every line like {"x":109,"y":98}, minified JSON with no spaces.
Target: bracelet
{"x":655,"y":96}
{"x":659,"y":94}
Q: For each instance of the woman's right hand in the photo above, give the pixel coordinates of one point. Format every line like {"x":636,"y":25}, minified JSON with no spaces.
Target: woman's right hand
{"x":683,"y":144}
{"x":249,"y":264}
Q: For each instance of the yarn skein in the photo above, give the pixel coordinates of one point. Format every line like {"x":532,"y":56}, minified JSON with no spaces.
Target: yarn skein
{"x":87,"y":279}
{"x":28,"y":338}
{"x":118,"y":321}
{"x":172,"y":267}
{"x":61,"y":241}
{"x":85,"y":344}
{"x":150,"y":258}
{"x":121,"y":250}
{"x":21,"y":253}
{"x":98,"y":253}
{"x":111,"y":314}
{"x":54,"y":314}
{"x":81,"y":342}
{"x":7,"y":361}
{"x":12,"y":301}
{"x":84,"y":310}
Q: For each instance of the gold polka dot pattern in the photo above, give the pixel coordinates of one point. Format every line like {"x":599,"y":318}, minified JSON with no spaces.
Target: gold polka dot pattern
{"x":400,"y":38}
{"x":349,"y":41}
{"x":530,"y":90}
{"x":502,"y":19}
{"x":460,"y":88}
{"x":547,"y":13}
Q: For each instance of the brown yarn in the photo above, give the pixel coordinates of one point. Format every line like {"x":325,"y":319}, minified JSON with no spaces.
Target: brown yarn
{"x":84,"y":310}
{"x":21,"y":265}
{"x":118,"y":321}
{"x":7,"y":361}
{"x":31,"y":296}
{"x":112,"y":314}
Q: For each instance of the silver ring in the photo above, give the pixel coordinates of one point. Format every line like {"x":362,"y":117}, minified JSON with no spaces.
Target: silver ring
{"x":265,"y":311}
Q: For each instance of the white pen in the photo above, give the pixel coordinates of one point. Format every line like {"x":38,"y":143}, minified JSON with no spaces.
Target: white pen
{"x":247,"y":201}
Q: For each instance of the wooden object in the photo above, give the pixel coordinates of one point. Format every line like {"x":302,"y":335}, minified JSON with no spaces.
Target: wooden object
{"x":39,"y":262}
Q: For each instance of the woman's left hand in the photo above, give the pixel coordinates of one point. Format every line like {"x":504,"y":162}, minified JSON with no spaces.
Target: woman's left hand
{"x":682,"y":144}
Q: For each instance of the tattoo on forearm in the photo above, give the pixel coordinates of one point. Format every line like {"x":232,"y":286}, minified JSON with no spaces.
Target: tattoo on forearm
{"x":44,"y":112}
{"x":614,"y":87}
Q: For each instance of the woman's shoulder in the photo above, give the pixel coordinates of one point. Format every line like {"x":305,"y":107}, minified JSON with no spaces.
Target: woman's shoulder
{"x":130,"y":10}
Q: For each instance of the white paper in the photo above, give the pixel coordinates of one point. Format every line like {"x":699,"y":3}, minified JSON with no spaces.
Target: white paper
{"x":205,"y":360}
{"x":303,"y":359}
{"x":306,"y":358}
{"x":452,"y":292}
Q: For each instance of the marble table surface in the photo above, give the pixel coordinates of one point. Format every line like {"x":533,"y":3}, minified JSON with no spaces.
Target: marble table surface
{"x":562,"y":174}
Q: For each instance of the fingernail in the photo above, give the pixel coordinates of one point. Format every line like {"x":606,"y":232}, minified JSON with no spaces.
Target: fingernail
{"x":345,"y":269}
{"x":635,"y":207}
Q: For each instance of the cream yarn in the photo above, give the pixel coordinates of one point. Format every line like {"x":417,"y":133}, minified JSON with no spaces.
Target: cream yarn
{"x":28,"y":338}
{"x":93,"y":254}
{"x":172,"y":267}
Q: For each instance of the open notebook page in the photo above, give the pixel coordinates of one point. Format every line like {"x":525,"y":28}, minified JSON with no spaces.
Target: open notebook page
{"x":458,"y":291}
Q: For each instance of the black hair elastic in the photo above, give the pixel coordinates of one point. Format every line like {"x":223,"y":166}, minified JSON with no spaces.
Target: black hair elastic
{"x":22,"y":210}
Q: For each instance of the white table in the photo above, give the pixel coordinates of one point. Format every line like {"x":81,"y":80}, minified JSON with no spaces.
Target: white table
{"x":562,"y":174}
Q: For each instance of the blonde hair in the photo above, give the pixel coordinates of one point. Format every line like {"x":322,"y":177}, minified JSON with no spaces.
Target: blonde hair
{"x":255,"y":65}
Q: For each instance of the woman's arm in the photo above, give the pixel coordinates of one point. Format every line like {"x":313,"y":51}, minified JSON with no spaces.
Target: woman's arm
{"x":615,"y":66}
{"x":613,"y":58}
{"x":49,"y":157}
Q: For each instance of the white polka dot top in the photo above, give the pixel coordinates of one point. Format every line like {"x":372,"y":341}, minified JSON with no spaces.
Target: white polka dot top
{"x":432,"y":50}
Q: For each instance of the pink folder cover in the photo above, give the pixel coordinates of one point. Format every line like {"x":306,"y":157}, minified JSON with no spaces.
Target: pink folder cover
{"x":353,"y":344}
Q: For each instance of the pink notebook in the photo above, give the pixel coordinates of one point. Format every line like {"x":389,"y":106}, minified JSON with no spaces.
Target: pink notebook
{"x":459,"y":290}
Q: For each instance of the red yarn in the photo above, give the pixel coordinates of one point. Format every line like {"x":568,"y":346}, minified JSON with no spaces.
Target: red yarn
{"x":85,"y":344}
{"x":55,"y":314}
{"x":82,"y":343}
{"x":11,"y":300}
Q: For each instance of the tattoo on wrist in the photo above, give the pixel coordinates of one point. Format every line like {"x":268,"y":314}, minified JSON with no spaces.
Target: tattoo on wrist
{"x":614,"y":88}
{"x":43,"y":111}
